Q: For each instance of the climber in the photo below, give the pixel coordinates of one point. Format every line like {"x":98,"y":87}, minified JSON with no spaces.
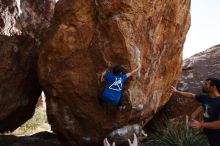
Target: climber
{"x":114,"y":84}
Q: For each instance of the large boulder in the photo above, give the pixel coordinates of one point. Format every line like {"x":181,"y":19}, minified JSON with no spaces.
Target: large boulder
{"x":22,"y":22}
{"x":85,"y":38}
{"x":195,"y":70}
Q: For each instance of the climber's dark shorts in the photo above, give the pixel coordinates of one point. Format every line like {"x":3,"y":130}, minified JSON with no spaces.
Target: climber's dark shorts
{"x":101,"y":101}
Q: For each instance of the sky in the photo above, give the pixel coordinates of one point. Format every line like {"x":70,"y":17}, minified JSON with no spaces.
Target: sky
{"x":204,"y":31}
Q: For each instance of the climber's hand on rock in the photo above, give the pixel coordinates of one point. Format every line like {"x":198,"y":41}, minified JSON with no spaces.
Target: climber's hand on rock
{"x":104,"y":72}
{"x":173,"y":89}
{"x":102,"y":76}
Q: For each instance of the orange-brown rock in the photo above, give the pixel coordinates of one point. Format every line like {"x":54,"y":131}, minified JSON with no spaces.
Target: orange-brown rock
{"x":85,"y":38}
{"x":21,"y":26}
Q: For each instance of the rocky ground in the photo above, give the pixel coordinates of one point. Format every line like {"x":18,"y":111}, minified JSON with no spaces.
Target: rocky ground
{"x":38,"y":139}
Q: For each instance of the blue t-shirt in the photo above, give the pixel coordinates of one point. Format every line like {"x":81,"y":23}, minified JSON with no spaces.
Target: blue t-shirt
{"x":113,"y":88}
{"x":211,"y":112}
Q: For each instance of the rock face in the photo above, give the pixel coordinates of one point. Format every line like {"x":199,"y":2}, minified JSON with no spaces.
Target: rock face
{"x":195,"y":70}
{"x":22,"y":22}
{"x":85,"y":38}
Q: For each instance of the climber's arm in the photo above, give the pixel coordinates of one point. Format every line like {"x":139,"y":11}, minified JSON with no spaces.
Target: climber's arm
{"x":102,"y":76}
{"x":133,"y":71}
{"x":186,"y":94}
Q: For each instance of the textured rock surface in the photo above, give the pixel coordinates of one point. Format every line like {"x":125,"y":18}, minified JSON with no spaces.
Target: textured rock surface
{"x":21,"y":25}
{"x":195,"y":70}
{"x":86,"y":37}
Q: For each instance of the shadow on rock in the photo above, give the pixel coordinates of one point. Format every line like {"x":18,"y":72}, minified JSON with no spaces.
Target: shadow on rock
{"x":38,"y":139}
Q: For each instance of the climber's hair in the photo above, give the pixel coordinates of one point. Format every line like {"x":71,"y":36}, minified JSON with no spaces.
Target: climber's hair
{"x":214,"y":82}
{"x":117,"y":70}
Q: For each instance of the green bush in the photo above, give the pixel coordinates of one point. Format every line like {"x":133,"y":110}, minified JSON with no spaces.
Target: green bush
{"x":181,"y":135}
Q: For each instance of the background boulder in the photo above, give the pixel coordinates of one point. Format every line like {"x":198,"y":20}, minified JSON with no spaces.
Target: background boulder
{"x":22,"y":24}
{"x":196,"y":69}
